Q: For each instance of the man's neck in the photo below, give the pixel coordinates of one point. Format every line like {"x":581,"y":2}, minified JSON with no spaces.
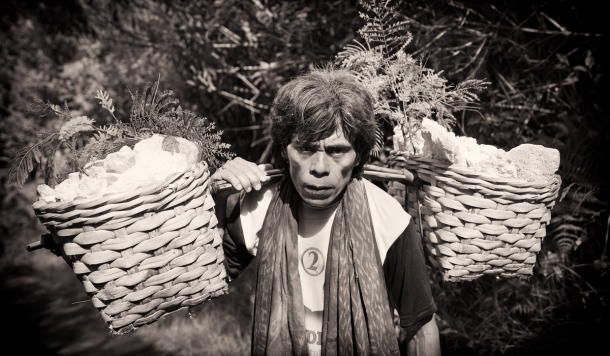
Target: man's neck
{"x":310,"y":212}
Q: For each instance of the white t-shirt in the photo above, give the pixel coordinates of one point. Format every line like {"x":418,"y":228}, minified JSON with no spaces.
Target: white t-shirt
{"x":315,"y":226}
{"x":389,"y":221}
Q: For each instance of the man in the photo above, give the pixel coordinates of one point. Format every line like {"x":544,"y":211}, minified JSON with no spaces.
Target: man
{"x":336,"y":254}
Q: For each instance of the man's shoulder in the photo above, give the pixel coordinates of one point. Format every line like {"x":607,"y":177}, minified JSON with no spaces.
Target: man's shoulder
{"x":383,"y":205}
{"x":253,"y":209}
{"x":257,"y":201}
{"x":380,"y":196}
{"x":389,"y":218}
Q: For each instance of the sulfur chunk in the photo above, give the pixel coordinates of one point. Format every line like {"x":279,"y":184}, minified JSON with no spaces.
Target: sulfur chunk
{"x":469,"y":143}
{"x":190,"y":150}
{"x":153,"y":164}
{"x":151,"y":167}
{"x":488,"y":150}
{"x":155,"y":143}
{"x":150,"y":144}
{"x":110,"y":178}
{"x":67,"y":190}
{"x":96,"y":171}
{"x":121,"y":161}
{"x":535,"y":162}
{"x":45,"y":193}
{"x":89,"y":187}
{"x":438,"y":142}
{"x":475,"y":159}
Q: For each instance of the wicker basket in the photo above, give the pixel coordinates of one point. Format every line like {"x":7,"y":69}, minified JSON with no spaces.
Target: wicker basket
{"x":476,"y":224}
{"x":145,"y":253}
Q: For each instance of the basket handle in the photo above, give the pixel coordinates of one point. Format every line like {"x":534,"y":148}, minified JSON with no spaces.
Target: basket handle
{"x":370,"y":172}
{"x":388,"y":174}
{"x":36,"y":245}
{"x":46,"y":241}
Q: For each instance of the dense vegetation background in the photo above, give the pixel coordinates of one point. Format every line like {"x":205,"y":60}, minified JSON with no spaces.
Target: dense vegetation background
{"x":226,"y":59}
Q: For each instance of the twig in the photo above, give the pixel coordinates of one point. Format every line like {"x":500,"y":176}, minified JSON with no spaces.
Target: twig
{"x":474,"y":58}
{"x":245,"y":128}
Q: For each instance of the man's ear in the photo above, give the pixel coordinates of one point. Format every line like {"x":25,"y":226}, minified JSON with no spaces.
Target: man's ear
{"x":285,"y":152}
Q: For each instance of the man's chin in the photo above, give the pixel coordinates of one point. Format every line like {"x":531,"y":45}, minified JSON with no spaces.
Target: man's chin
{"x":319,"y":197}
{"x":318,"y":201}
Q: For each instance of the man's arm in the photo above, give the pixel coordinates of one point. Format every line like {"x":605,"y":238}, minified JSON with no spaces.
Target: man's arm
{"x":426,"y":342}
{"x":244,"y":176}
{"x":409,"y":290}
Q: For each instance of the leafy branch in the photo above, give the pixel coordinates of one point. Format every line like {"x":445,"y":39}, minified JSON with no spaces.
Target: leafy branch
{"x":152,"y":112}
{"x":405,"y":91}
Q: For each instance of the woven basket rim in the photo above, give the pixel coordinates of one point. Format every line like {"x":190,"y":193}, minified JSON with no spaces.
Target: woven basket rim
{"x":471,"y":173}
{"x":41,"y":206}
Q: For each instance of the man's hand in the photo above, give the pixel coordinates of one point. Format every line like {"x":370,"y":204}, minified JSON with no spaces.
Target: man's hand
{"x":426,"y":342}
{"x":242,"y":174}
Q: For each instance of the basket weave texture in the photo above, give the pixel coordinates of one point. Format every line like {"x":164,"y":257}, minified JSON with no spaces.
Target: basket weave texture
{"x":144,"y":253}
{"x":472,"y":223}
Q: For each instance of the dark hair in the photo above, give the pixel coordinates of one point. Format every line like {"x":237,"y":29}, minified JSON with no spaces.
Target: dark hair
{"x":314,"y":106}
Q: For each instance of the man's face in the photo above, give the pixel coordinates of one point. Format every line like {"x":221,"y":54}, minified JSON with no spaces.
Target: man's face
{"x":321,"y":170}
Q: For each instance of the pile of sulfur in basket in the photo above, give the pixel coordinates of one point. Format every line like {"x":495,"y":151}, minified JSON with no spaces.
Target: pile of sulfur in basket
{"x":525,"y":162}
{"x":125,"y":170}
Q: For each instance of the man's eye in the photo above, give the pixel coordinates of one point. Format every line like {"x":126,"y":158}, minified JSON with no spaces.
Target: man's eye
{"x":337,"y":152}
{"x":305,"y":149}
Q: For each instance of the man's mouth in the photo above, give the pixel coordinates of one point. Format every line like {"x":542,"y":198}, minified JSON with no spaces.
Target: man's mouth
{"x":318,"y":189}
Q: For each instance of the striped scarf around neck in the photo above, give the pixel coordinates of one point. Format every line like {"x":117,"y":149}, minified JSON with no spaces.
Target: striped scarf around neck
{"x":356,"y":317}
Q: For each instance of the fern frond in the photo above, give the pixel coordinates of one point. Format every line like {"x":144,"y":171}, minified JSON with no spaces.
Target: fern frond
{"x":106,"y":102}
{"x":43,"y":109}
{"x":23,"y":163}
{"x":384,"y":28}
{"x":75,"y":126}
{"x":148,"y":108}
{"x":164,"y":100}
{"x":379,"y":143}
{"x":351,"y":51}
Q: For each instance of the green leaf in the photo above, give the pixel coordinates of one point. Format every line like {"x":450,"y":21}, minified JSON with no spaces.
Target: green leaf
{"x":22,"y":164}
{"x":170,"y":144}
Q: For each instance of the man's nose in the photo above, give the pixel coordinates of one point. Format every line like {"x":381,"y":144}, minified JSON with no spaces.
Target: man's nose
{"x":320,"y":164}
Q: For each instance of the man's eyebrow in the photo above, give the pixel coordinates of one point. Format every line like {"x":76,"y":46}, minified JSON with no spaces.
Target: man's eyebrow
{"x":305,"y":143}
{"x":339,"y":145}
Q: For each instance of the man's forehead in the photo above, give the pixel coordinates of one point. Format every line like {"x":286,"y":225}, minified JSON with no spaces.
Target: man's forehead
{"x":335,"y":139}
